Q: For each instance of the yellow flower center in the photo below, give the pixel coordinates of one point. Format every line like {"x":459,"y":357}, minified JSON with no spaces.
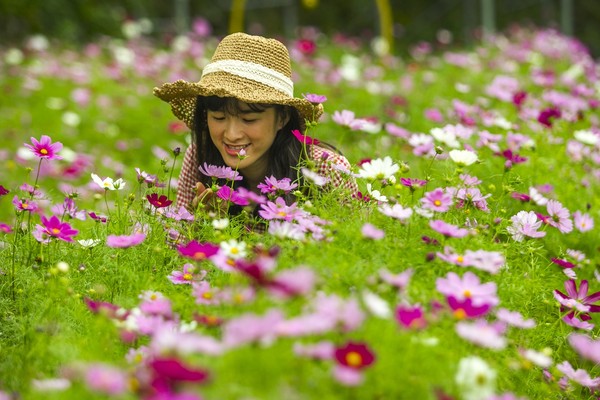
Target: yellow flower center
{"x":281,"y":213}
{"x":460,"y":313}
{"x":44,"y":151}
{"x":55,"y":231}
{"x":187,"y":277}
{"x":207,"y":295}
{"x":467,"y":294}
{"x":353,"y":359}
{"x":153,"y":296}
{"x":460,"y":259}
{"x":199,"y":256}
{"x":238,"y":298}
{"x":234,"y":250}
{"x":437,"y":203}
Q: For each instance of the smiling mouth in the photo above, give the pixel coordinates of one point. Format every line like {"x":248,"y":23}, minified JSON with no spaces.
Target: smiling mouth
{"x":234,"y":150}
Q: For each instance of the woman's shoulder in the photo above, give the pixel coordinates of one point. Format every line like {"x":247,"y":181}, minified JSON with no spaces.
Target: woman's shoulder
{"x":328,"y":154}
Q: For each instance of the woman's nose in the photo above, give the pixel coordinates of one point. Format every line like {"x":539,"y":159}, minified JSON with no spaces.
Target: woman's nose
{"x":233,"y":129}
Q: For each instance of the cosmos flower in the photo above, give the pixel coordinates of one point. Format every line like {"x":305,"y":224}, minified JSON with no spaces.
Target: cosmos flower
{"x":159,"y":201}
{"x":53,"y":228}
{"x":44,"y":148}
{"x":525,"y":224}
{"x":304,"y":138}
{"x":272,"y":185}
{"x":108,"y":183}
{"x":123,"y":241}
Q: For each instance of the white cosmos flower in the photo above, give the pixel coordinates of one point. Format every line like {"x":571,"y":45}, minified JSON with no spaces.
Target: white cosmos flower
{"x":317,"y":179}
{"x":463,"y":157}
{"x":376,"y":194}
{"x":376,"y":305}
{"x":378,"y":169}
{"x":586,"y":137}
{"x":476,"y":379}
{"x":446,"y":136}
{"x":89,"y":243}
{"x":220,"y":224}
{"x":108,"y":183}
{"x":234,"y":249}
{"x":538,"y":358}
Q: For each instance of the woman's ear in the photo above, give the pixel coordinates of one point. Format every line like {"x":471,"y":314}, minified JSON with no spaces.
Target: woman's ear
{"x":284,"y":118}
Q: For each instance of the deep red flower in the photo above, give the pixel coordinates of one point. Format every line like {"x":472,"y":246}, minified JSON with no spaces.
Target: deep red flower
{"x":563,"y":263}
{"x":159,"y":201}
{"x":519,"y":98}
{"x":547,"y":116}
{"x":3,"y":191}
{"x":354,"y":355}
{"x":167,"y":372}
{"x":306,"y":46}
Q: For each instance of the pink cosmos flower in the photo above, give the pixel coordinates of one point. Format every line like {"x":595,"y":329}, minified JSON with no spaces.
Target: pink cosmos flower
{"x":319,"y":351}
{"x":5,"y":228}
{"x":559,"y":216}
{"x":272,"y":186}
{"x":252,"y":197}
{"x":68,"y":207}
{"x":44,"y":148}
{"x":168,"y":373}
{"x":24,"y":204}
{"x":304,"y":138}
{"x":286,"y":230}
{"x":249,"y":328}
{"x":123,"y":241}
{"x":292,"y":282}
{"x":53,"y":228}
{"x":198,"y":251}
{"x":396,"y":211}
{"x":347,"y":118}
{"x":490,"y":261}
{"x":155,"y":303}
{"x":525,"y":224}
{"x":370,"y":231}
{"x":437,"y":200}
{"x":472,"y":196}
{"x":279,"y":210}
{"x":572,"y":320}
{"x":217,"y":172}
{"x":400,"y":280}
{"x":204,"y":293}
{"x":514,"y":318}
{"x":187,"y":275}
{"x":467,"y":287}
{"x":580,"y":376}
{"x":106,"y":379}
{"x":315,"y":98}
{"x":583,"y":221}
{"x":483,"y":333}
{"x":578,"y":299}
{"x":465,"y":308}
{"x":412,"y":183}
{"x":585,"y":346}
{"x":447,"y":230}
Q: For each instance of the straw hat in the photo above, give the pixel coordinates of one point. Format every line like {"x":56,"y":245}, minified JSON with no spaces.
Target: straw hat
{"x":252,"y":69}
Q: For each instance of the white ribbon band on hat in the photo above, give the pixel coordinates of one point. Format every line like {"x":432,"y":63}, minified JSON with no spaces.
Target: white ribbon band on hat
{"x":255,"y":72}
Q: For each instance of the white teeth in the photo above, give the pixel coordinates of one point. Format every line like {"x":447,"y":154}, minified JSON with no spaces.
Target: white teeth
{"x":237,"y":147}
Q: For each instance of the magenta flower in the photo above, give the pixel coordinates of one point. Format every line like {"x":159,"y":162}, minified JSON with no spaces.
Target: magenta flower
{"x":354,"y":355}
{"x":315,"y":98}
{"x":168,"y":372}
{"x":562,"y":263}
{"x":559,"y":216}
{"x":215,"y":171}
{"x":226,"y":193}
{"x":271,"y":185}
{"x":24,"y":204}
{"x":465,"y":308}
{"x":412,"y":183}
{"x":511,"y":158}
{"x":525,"y":224}
{"x":410,"y":317}
{"x":250,"y":196}
{"x":123,"y":241}
{"x":304,"y":138}
{"x":45,"y":148}
{"x":198,"y":251}
{"x":159,"y":201}
{"x":446,"y":229}
{"x":437,"y":200}
{"x":576,"y":299}
{"x":5,"y":228}
{"x":53,"y":228}
{"x":3,"y":191}
{"x":547,"y":116}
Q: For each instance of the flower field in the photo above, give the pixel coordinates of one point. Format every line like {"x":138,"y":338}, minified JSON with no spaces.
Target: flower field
{"x":467,"y":268}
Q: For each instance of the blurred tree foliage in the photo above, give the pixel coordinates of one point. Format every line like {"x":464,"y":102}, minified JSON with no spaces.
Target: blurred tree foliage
{"x":415,"y":20}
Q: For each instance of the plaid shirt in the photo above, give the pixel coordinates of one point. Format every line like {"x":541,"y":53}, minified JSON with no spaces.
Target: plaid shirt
{"x":329,"y":164}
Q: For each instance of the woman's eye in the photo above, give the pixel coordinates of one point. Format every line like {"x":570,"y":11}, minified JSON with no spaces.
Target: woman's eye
{"x":218,"y":118}
{"x":248,"y":120}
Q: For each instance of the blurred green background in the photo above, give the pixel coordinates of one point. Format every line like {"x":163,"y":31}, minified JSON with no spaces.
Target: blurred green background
{"x":412,"y":20}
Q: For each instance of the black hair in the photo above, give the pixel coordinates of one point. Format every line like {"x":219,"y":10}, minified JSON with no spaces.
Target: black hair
{"x":285,"y":154}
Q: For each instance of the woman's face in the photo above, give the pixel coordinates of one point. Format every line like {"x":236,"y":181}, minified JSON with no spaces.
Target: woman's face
{"x":252,"y":131}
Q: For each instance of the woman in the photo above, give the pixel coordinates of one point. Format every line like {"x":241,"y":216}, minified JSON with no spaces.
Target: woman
{"x":243,"y":114}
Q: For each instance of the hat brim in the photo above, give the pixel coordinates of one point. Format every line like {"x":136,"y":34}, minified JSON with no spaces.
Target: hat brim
{"x":182,"y":95}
